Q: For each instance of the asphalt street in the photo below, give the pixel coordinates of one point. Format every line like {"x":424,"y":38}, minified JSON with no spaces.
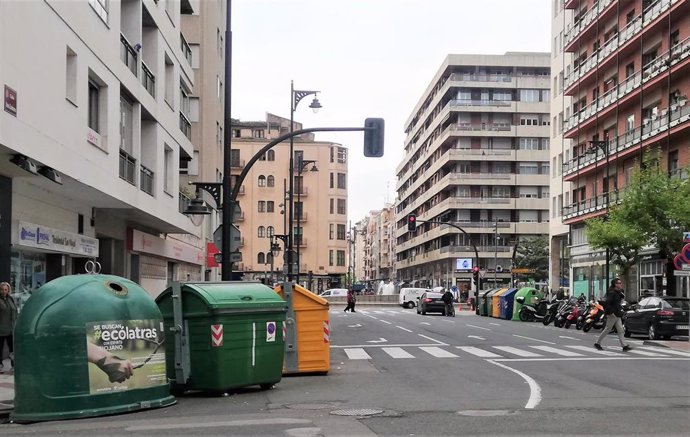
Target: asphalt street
{"x":394,"y":372}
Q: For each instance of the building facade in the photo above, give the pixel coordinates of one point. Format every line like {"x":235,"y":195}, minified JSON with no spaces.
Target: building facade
{"x":320,"y":204}
{"x":477,"y":155}
{"x":91,"y":139}
{"x":626,"y":84}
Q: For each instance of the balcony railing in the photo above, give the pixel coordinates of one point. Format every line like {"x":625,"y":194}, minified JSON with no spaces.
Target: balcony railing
{"x":237,"y":163}
{"x":128,"y":165}
{"x":128,"y":54}
{"x":148,"y":80}
{"x":146,"y":180}
{"x":494,"y":127}
{"x":480,"y":102}
{"x":593,"y":204}
{"x":185,"y":126}
{"x":186,"y":49}
{"x":573,"y":30}
{"x":184,"y":202}
{"x":467,"y":77}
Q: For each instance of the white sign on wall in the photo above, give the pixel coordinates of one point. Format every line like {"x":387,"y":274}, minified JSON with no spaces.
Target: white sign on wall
{"x":43,"y":237}
{"x":168,"y":248}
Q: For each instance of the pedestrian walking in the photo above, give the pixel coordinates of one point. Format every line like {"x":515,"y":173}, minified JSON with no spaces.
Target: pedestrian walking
{"x":8,"y":316}
{"x":350,"y":301}
{"x":614,"y":311}
{"x":447,"y":298}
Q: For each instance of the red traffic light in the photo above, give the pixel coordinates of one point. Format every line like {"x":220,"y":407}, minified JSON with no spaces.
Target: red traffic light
{"x":411,"y":222}
{"x":475,"y":269}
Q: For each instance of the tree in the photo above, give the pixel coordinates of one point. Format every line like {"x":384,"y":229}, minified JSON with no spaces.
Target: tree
{"x":533,"y":254}
{"x":654,"y":210}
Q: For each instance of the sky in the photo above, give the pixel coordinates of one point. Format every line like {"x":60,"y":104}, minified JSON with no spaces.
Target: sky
{"x":367,"y":58}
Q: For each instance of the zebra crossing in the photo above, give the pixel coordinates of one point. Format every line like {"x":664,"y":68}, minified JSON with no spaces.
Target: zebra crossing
{"x":506,"y":352}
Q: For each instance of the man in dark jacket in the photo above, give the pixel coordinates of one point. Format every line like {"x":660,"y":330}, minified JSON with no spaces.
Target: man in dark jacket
{"x":614,"y":312}
{"x":448,"y":300}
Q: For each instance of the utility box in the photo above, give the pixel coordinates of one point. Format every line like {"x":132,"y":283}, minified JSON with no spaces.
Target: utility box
{"x":89,"y":345}
{"x":227,"y":335}
{"x":308,"y":343}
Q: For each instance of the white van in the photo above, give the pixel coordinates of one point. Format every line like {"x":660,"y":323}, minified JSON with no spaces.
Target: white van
{"x":334,"y":292}
{"x":409,"y":297}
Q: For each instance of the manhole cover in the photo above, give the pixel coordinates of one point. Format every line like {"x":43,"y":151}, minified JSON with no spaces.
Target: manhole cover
{"x":485,"y":413}
{"x":357,"y":412}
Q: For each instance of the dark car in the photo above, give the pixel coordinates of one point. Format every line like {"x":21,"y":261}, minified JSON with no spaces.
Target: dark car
{"x":659,"y":317}
{"x":431,"y":302}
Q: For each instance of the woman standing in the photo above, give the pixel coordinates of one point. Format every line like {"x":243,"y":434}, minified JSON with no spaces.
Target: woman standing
{"x":8,"y":316}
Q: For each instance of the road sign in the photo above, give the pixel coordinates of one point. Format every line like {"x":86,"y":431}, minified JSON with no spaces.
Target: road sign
{"x":235,"y":238}
{"x":686,"y":237}
{"x":482,"y":273}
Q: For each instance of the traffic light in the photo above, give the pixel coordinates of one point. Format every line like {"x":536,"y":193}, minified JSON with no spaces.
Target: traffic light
{"x":373,"y":137}
{"x":412,"y":222}
{"x":475,"y":274}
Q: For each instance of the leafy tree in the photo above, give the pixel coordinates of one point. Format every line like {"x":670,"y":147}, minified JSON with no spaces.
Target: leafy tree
{"x":533,"y":253}
{"x":654,"y":210}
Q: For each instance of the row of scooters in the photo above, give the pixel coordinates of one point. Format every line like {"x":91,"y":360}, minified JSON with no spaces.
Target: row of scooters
{"x":566,"y":312}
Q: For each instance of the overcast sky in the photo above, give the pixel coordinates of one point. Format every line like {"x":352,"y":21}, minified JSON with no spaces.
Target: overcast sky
{"x":368,"y":58}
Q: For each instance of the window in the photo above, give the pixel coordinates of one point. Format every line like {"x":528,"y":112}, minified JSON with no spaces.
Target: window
{"x":330,"y":258}
{"x":261,"y":206}
{"x":196,"y":54}
{"x":529,"y":192}
{"x":219,"y":88}
{"x":270,"y":231}
{"x":331,"y":233}
{"x":71,"y":76}
{"x":340,"y":258}
{"x":94,"y":106}
{"x":236,"y":133}
{"x":529,"y":168}
{"x":261,"y":232}
{"x":341,"y":206}
{"x":190,"y":167}
{"x":168,"y":174}
{"x":630,"y":123}
{"x":529,"y":95}
{"x":270,"y":181}
{"x":332,"y":208}
{"x":332,"y":181}
{"x":126,"y":122}
{"x":341,"y":232}
{"x":258,"y":133}
{"x":271,"y":156}
{"x":262,"y":181}
{"x":342,"y":155}
{"x":529,"y":120}
{"x":260,"y":258}
{"x":342,"y":181}
{"x":270,"y":206}
{"x":101,"y":8}
{"x":529,"y":144}
{"x":169,"y":81}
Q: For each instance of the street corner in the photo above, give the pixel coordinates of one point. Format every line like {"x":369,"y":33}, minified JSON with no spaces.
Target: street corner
{"x":681,"y":345}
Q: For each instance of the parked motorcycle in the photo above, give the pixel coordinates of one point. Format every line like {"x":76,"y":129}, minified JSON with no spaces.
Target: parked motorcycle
{"x":595,"y":318}
{"x":562,"y":312}
{"x":575,"y":311}
{"x":551,"y":311}
{"x":531,"y":312}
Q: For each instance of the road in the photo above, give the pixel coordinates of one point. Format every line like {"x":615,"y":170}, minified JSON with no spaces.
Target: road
{"x":394,"y":372}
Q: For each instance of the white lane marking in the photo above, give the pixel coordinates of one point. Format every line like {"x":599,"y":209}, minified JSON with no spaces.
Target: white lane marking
{"x":596,"y":351}
{"x":534,"y":389}
{"x":425,"y":323}
{"x":666,"y":351}
{"x":397,"y":352}
{"x":569,"y":338}
{"x":516,"y":351}
{"x":478,"y":352}
{"x":223,"y":424}
{"x":438,"y":352}
{"x":380,"y":345}
{"x":385,"y":321}
{"x":556,"y":351}
{"x":448,"y":321}
{"x":619,"y":357}
{"x":476,"y":336}
{"x":380,"y":340}
{"x":646,"y":353}
{"x":357,"y":354}
{"x":355,"y":326}
{"x":534,"y":339}
{"x":495,"y":324}
{"x":433,"y":339}
{"x":404,"y":329}
{"x":478,"y":327}
{"x":379,"y":312}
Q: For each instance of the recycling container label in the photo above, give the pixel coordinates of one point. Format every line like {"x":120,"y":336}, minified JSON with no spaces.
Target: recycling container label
{"x":125,"y":355}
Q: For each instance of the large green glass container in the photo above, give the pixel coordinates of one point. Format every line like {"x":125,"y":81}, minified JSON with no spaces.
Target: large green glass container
{"x":89,"y":345}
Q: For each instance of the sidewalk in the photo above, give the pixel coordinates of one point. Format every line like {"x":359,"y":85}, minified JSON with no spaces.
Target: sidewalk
{"x":6,"y":390}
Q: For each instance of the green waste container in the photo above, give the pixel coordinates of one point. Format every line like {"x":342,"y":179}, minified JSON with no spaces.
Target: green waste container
{"x":88,"y":345}
{"x":229,"y":335}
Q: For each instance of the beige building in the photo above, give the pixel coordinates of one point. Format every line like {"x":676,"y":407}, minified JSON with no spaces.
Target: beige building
{"x":320,"y":203}
{"x":476,"y":154}
{"x":378,"y":247}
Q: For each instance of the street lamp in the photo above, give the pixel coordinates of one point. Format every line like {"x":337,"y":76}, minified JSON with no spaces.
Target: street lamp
{"x":301,"y":165}
{"x":295,"y":97}
{"x":595,"y":146}
{"x":274,"y":251}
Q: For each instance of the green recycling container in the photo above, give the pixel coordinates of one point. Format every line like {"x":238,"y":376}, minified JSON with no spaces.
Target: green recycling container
{"x":234,"y":334}
{"x":88,"y":345}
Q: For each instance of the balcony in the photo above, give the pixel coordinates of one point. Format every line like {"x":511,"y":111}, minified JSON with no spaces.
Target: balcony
{"x":302,"y":191}
{"x":588,"y":18}
{"x":146,"y":177}
{"x":128,"y":55}
{"x":183,"y":202}
{"x":148,"y":80}
{"x":471,"y":77}
{"x":241,"y":191}
{"x":240,"y":217}
{"x":301,"y":242}
{"x":591,"y":205}
{"x":185,"y":126}
{"x":302,"y":217}
{"x":186,"y":49}
{"x":237,"y":163}
{"x":485,"y":127}
{"x":128,"y":165}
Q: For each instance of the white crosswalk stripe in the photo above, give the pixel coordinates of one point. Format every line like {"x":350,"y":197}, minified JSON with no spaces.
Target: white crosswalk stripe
{"x":645,"y":353}
{"x":516,"y":351}
{"x":596,"y":351}
{"x":556,"y":351}
{"x":357,"y":354}
{"x":397,"y":352}
{"x":438,"y":352}
{"x":478,"y":352}
{"x":667,"y":351}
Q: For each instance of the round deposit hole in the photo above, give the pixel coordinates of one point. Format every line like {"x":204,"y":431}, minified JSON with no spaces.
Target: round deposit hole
{"x":357,"y":412}
{"x":485,"y":413}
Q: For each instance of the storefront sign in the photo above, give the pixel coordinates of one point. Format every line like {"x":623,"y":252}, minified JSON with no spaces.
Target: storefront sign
{"x":166,"y":248}
{"x":211,"y":251}
{"x":42,"y":237}
{"x":10,"y":101}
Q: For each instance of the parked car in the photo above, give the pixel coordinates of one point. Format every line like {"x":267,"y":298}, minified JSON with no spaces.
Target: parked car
{"x":334,"y":292}
{"x":659,"y":317}
{"x":431,"y":302}
{"x":409,"y":296}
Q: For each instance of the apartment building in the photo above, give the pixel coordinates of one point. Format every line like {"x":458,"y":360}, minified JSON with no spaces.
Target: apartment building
{"x":626,"y":87}
{"x":378,"y":247}
{"x":91,"y":138}
{"x":320,"y":203}
{"x":356,"y":238}
{"x":477,"y":155}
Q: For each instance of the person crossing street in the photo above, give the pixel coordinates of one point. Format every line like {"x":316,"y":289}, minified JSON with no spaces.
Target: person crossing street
{"x":614,"y":312}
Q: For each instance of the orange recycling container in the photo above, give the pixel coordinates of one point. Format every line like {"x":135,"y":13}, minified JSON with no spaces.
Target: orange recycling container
{"x":308,"y":332}
{"x":496,"y":302}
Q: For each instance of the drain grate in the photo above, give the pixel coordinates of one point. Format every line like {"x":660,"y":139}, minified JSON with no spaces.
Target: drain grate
{"x":357,"y":412}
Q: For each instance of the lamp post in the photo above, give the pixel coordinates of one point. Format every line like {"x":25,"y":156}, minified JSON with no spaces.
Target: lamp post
{"x":496,"y":240}
{"x":301,"y":165}
{"x":295,"y":97}
{"x":274,"y":251}
{"x":594,"y":147}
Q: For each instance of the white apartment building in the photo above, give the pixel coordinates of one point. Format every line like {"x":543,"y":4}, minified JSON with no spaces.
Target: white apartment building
{"x":477,"y":155}
{"x":94,"y":126}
